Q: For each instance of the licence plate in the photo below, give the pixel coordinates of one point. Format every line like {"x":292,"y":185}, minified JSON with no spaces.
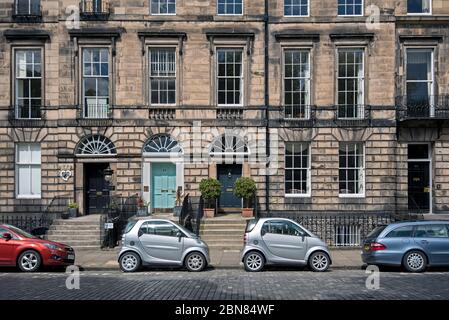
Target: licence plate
{"x":71,"y":257}
{"x":367,"y":247}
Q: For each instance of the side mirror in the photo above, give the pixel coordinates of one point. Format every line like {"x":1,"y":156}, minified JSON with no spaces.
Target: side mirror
{"x":7,"y":236}
{"x":179,"y":234}
{"x":140,"y":233}
{"x":262,"y":232}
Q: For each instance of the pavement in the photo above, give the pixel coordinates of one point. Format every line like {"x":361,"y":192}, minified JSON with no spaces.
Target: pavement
{"x":227,"y":284}
{"x":106,"y":259}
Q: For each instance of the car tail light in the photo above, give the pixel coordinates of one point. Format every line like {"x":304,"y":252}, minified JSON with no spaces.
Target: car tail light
{"x":376,"y":246}
{"x":245,"y":238}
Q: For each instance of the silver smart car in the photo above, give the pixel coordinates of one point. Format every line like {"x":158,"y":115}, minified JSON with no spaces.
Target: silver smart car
{"x":160,"y":242}
{"x":271,"y":241}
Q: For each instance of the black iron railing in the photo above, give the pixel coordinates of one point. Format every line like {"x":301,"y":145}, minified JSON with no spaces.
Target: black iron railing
{"x":94,"y":9}
{"x":118,"y":212}
{"x":422,"y":107}
{"x":352,"y":115}
{"x":341,"y":230}
{"x":36,"y":225}
{"x":199,"y":216}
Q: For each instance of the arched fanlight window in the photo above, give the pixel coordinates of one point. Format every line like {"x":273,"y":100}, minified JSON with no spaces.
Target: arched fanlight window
{"x":96,"y":145}
{"x":162,"y":144}
{"x":232,"y":145}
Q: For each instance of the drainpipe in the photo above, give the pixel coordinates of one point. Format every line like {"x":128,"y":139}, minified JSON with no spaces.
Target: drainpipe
{"x":267,"y":108}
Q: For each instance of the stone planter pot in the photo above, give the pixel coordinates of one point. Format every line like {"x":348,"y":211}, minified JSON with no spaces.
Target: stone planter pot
{"x":73,"y":212}
{"x":65,"y":215}
{"x":177,"y":211}
{"x":209,"y":213}
{"x":247,"y":212}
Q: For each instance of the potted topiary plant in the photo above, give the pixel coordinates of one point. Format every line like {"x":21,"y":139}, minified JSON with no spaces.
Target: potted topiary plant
{"x":72,"y":210}
{"x":246,"y":188}
{"x":210,"y":190}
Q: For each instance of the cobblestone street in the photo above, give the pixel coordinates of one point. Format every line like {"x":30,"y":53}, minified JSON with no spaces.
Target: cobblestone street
{"x":225,"y":284}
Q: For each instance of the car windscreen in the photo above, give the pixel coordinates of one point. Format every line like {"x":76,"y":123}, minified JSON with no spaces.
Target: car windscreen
{"x":376,"y":232}
{"x":21,"y":233}
{"x":250,"y":225}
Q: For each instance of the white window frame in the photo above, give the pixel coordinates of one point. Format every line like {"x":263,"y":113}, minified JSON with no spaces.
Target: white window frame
{"x":300,"y":15}
{"x":16,"y":78}
{"x":231,"y":14}
{"x":307,"y":194}
{"x":308,"y":81}
{"x":242,"y":75}
{"x":420,"y":13}
{"x":159,"y":6}
{"x":429,"y":160}
{"x":30,"y":165}
{"x":362,"y":173}
{"x":362,"y":83}
{"x":352,"y":15}
{"x":16,"y":8}
{"x":83,"y":77}
{"x":432,"y":72}
{"x":150,"y":77}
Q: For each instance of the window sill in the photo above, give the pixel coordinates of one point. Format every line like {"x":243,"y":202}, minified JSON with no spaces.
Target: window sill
{"x":28,"y":197}
{"x":297,"y":195}
{"x":351,"y":196}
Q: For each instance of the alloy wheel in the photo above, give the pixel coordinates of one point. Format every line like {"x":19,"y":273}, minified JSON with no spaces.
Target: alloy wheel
{"x":415,"y":261}
{"x":129,"y":262}
{"x":195,"y":262}
{"x":254,"y":261}
{"x":29,"y":261}
{"x":320,"y":261}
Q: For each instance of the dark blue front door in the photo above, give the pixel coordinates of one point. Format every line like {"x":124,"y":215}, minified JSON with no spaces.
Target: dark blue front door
{"x":228,"y":175}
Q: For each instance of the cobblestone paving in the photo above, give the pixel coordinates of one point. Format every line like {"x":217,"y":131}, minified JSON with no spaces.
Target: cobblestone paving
{"x":225,"y":284}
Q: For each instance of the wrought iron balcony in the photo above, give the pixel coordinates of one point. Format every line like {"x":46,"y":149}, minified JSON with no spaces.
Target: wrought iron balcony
{"x":95,"y":111}
{"x":299,"y":115}
{"x":27,"y":10}
{"x":432,"y":107}
{"x":94,"y":9}
{"x":353,"y":115}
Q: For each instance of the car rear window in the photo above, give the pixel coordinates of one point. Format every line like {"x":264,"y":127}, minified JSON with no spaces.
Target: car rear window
{"x":376,"y":232}
{"x":401,"y":232}
{"x":250,"y":225}
{"x":129,"y":226}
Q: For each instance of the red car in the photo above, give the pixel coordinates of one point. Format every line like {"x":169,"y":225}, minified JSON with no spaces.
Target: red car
{"x":29,"y":253}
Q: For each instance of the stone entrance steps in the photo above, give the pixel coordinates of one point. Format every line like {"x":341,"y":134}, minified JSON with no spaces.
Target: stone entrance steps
{"x":79,"y":233}
{"x":224,"y":232}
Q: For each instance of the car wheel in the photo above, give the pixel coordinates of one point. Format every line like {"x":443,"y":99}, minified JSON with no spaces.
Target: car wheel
{"x":319,"y":261}
{"x":415,"y":261}
{"x":29,"y":261}
{"x":254,"y":261}
{"x":195,"y":262}
{"x":130,"y":262}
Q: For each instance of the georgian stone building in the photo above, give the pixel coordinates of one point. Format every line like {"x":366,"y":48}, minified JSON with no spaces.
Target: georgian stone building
{"x":329,"y":105}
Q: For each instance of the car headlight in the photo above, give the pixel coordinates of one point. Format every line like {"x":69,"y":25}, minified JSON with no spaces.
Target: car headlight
{"x":51,"y":246}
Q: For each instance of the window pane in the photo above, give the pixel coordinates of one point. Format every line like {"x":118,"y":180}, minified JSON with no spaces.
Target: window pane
{"x":419,"y":65}
{"x":418,"y":6}
{"x":350,"y":7}
{"x":297,"y":168}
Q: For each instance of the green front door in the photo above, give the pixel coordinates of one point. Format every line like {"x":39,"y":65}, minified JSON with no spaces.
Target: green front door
{"x":164,"y":185}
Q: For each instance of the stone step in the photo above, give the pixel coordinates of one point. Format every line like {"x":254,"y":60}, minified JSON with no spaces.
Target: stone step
{"x":223,"y":221}
{"x":75,"y":228}
{"x":223,"y":227}
{"x":75,"y":222}
{"x":58,"y":238}
{"x":222,"y":232}
{"x":58,"y":232}
{"x":225,"y":247}
{"x":224,"y":241}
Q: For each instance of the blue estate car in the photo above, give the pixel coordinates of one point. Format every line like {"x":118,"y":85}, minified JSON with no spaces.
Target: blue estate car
{"x":413,"y":245}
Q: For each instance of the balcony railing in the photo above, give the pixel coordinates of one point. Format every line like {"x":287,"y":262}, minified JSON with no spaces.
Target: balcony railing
{"x":94,"y":9}
{"x":20,"y":117}
{"x":353,"y":115}
{"x":96,"y":111}
{"x":27,"y":9}
{"x":422,"y":107}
